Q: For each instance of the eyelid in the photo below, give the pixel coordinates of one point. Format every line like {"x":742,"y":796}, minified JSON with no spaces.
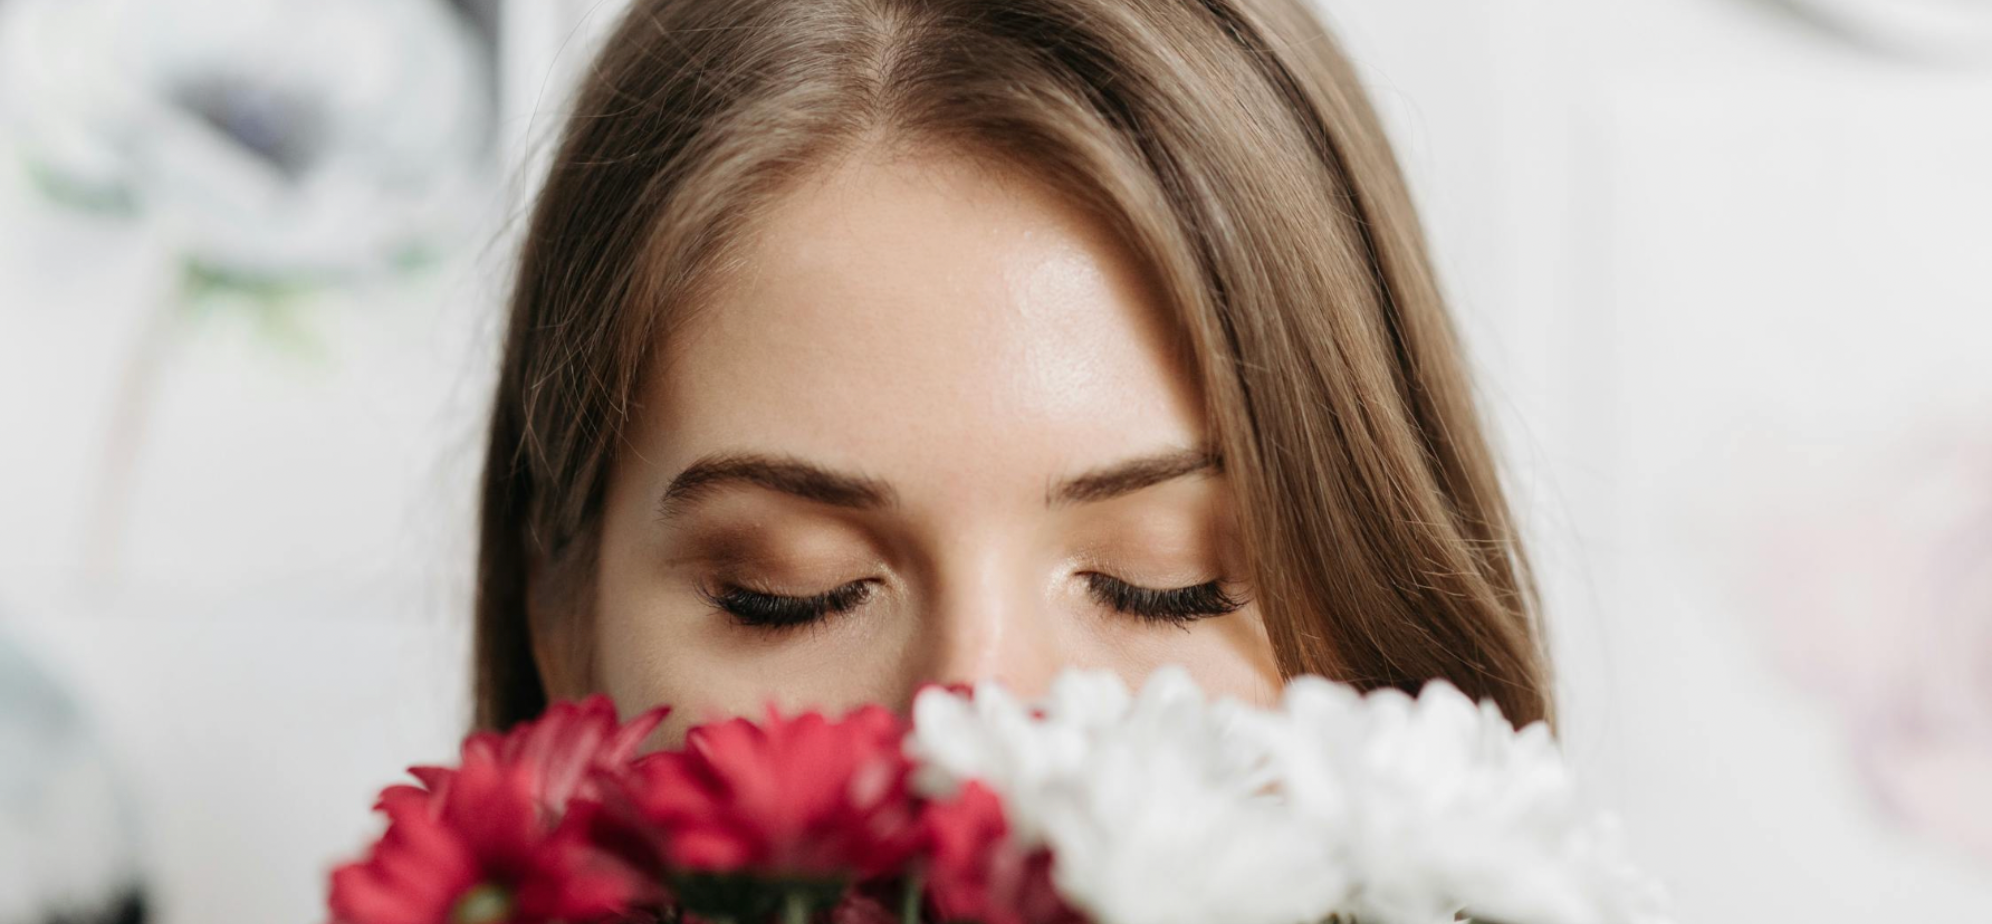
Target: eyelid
{"x":1177,"y":605}
{"x":779,"y":612}
{"x":794,"y":553}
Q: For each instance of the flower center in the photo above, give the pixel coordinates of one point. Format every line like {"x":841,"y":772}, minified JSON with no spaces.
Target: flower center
{"x":485,"y":904}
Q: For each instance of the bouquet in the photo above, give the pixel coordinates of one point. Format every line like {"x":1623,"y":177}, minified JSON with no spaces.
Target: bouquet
{"x":1096,"y":804}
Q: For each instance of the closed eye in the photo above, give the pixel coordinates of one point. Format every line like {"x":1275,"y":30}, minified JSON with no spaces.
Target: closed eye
{"x":781,"y":611}
{"x":1176,"y":605}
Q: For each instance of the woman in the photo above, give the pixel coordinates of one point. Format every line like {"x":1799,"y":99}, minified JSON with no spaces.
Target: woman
{"x":858,"y":344}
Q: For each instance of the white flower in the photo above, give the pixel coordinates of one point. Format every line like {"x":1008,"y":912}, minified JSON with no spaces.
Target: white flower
{"x":1165,"y":807}
{"x":1158,"y":810}
{"x":1440,"y":804}
{"x":1017,"y":751}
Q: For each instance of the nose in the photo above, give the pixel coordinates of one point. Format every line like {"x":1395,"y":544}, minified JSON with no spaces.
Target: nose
{"x":989,"y":630}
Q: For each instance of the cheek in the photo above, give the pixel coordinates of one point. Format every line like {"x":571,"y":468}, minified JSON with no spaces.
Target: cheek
{"x":1227,"y":655}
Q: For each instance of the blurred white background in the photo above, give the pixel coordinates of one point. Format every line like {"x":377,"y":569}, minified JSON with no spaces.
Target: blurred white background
{"x":1725,"y":265}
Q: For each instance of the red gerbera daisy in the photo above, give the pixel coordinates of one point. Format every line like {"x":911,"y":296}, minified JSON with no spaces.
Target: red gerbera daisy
{"x":502,"y":839}
{"x":800,"y":798}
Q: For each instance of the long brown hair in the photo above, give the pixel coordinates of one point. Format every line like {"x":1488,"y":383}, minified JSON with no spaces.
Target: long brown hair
{"x":1230,"y":144}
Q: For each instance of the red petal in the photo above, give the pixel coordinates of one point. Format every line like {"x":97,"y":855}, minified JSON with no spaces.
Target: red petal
{"x":803,"y":795}
{"x":621,"y":747}
{"x":411,"y":876}
{"x":860,"y":909}
{"x":360,"y":897}
{"x":711,"y":850}
{"x":436,"y":779}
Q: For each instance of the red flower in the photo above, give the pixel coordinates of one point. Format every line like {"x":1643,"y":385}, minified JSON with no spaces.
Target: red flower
{"x":805,"y":797}
{"x":957,"y":688}
{"x":976,"y":873}
{"x":504,"y":837}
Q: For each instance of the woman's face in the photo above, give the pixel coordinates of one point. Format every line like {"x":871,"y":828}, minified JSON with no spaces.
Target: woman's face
{"x":938,"y":429}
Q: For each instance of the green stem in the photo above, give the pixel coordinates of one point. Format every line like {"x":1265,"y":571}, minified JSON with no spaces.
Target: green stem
{"x":909,"y":903}
{"x":795,"y":909}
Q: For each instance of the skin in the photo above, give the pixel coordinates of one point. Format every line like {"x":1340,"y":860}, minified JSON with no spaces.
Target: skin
{"x":964,"y":344}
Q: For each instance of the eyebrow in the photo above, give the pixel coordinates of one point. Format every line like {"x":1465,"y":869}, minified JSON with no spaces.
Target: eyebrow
{"x":809,"y":481}
{"x":781,"y":474}
{"x":1132,"y":475}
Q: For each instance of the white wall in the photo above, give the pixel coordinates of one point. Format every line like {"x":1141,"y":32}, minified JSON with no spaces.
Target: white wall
{"x":1729,"y":280}
{"x":1706,"y":261}
{"x":284,"y":631}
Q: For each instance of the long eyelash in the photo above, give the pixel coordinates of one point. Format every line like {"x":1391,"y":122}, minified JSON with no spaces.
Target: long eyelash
{"x":778,"y":611}
{"x":1179,"y":605}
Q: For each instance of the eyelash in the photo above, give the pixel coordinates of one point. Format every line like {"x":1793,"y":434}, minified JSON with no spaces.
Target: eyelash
{"x":776,"y":612}
{"x":1175,"y":605}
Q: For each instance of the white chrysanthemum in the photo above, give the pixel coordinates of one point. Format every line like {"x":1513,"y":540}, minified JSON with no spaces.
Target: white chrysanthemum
{"x":1441,"y":804}
{"x":1016,"y":750}
{"x":1158,"y":810}
{"x":1165,"y":807}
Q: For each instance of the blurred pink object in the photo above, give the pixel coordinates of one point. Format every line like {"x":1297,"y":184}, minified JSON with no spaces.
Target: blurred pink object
{"x":1882,"y":603}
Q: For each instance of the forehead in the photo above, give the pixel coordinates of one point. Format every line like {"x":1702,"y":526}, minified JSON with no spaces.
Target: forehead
{"x":928,"y":310}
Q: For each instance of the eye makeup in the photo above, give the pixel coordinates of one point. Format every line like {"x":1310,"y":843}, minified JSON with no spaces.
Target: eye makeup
{"x":776,"y":612}
{"x":1176,"y":605}
{"x":743,"y":571}
{"x":1130,"y":561}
